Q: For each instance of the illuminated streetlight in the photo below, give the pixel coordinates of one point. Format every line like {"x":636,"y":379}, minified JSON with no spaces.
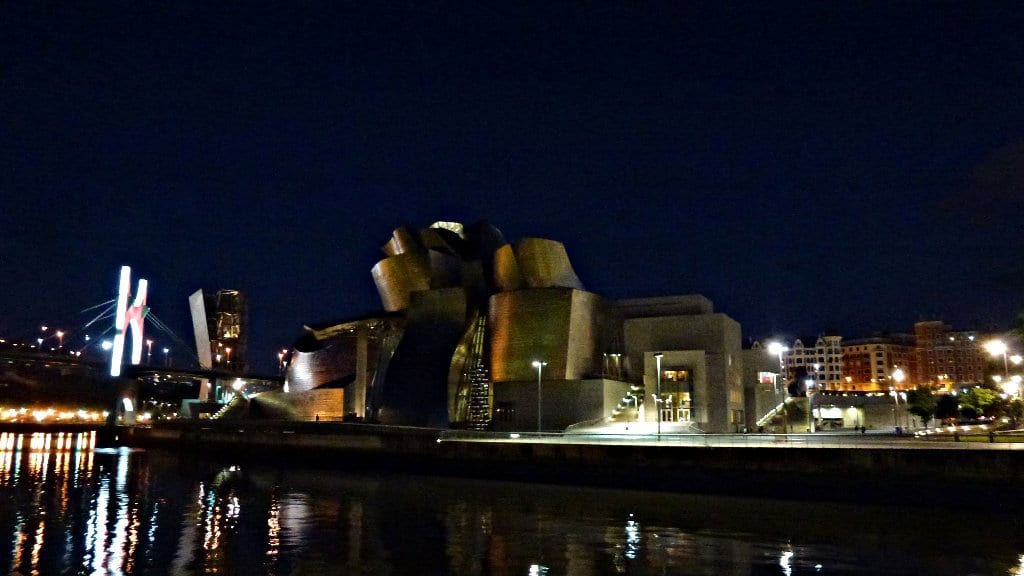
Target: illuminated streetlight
{"x":1016,"y":359}
{"x":636,"y":404}
{"x":280,"y":362}
{"x":40,"y":340}
{"x":657,"y":361}
{"x":167,"y":361}
{"x":777,"y":349}
{"x":228,"y":351}
{"x":60,"y":339}
{"x":540,"y":369}
{"x":149,"y":352}
{"x":897,"y":376}
{"x":998,"y":348}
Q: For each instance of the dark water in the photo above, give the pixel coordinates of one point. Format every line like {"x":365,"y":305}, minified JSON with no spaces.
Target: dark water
{"x":67,"y":509}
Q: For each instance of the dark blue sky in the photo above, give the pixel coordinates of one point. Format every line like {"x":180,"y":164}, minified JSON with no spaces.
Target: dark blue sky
{"x":807,"y":167}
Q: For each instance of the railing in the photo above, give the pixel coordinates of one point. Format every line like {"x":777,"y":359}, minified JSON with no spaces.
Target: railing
{"x":822,"y":440}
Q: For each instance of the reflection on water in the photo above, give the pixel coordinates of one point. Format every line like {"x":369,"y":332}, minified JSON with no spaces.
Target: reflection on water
{"x":66,"y":508}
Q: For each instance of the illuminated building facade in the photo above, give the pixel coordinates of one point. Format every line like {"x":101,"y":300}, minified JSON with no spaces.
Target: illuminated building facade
{"x":823,"y":360}
{"x":948,"y":359}
{"x":480,"y":333}
{"x":869,"y":364}
{"x":701,"y":364}
{"x":220,"y":321}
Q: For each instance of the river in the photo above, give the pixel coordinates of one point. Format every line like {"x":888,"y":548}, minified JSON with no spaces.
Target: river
{"x":68,"y":508}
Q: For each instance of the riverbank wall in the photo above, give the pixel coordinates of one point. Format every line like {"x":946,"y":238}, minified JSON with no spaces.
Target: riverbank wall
{"x":919,"y":474}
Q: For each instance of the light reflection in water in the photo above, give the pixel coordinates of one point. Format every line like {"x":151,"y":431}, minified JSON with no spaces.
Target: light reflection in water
{"x":784,"y":562}
{"x":75,"y":510}
{"x":632,"y":538}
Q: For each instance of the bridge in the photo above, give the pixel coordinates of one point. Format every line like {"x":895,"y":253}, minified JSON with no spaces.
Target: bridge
{"x":98,"y":375}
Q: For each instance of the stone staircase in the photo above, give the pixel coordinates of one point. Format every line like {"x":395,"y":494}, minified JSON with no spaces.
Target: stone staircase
{"x":627,"y":410}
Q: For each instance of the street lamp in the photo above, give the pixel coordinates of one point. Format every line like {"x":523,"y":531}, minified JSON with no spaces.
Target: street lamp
{"x":167,"y":361}
{"x":998,"y":348}
{"x":540,"y":369}
{"x":149,"y":352}
{"x":657,"y":362}
{"x":228,"y":350}
{"x":60,"y":339}
{"x":898,"y":376}
{"x":809,"y":385}
{"x":778,"y":349}
{"x":1016,"y":359}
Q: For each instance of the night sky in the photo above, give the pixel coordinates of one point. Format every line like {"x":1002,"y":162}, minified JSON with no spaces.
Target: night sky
{"x":808,"y":168}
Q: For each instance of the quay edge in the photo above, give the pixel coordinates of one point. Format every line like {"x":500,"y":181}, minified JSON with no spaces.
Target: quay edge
{"x":865,"y":474}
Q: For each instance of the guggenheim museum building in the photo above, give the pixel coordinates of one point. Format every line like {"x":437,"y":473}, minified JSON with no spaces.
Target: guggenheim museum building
{"x":480,"y":333}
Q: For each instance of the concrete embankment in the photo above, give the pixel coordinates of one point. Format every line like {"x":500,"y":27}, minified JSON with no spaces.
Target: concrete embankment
{"x":920,"y":474}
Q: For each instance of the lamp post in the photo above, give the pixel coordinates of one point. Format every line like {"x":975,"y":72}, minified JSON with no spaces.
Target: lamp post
{"x":657,"y":362}
{"x":540,"y":369}
{"x":778,"y":349}
{"x":167,"y":361}
{"x":60,"y":339}
{"x":998,"y":348}
{"x":898,"y":376}
{"x":809,"y":385}
{"x":228,"y":350}
{"x":149,"y":352}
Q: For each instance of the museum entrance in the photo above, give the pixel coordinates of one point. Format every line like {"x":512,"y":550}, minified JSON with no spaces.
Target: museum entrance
{"x":677,"y":395}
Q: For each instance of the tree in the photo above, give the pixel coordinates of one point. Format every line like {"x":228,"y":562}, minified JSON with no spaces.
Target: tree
{"x":979,"y":402}
{"x":921,"y":402}
{"x":794,"y":413}
{"x":946,"y":407}
{"x":1015,"y":411}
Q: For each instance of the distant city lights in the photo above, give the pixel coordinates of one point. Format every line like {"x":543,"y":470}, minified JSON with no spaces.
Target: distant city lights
{"x":52,"y":414}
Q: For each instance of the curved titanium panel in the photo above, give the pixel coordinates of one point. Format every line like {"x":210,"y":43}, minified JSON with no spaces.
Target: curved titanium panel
{"x":482,"y":242}
{"x":415,"y":391}
{"x":402,"y":241}
{"x":445,"y":270}
{"x":442,"y":240}
{"x":315,"y":368}
{"x":506,"y":270}
{"x":397,"y":276}
{"x":560,"y":326}
{"x":545,"y":264}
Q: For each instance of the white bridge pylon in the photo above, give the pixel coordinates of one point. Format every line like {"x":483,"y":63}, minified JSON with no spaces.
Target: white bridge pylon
{"x":133,"y":317}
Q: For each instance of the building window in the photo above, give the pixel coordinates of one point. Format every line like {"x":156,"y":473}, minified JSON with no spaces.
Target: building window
{"x":505,"y":412}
